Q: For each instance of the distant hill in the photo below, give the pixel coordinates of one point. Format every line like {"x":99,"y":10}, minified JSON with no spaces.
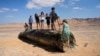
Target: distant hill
{"x":88,"y":21}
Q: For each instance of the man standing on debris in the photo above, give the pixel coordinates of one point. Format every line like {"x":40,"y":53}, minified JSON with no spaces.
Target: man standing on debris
{"x":53,"y":17}
{"x":30,"y":22}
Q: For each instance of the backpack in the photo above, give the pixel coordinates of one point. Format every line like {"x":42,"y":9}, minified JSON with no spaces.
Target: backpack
{"x":54,"y":15}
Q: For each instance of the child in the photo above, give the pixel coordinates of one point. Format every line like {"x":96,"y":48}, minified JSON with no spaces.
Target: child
{"x":26,"y":27}
{"x":58,"y":21}
{"x":42,"y":18}
{"x":48,"y":21}
{"x":30,"y":22}
{"x":66,"y":32}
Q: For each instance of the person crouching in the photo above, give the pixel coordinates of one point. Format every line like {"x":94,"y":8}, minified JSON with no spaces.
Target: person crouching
{"x":26,"y":27}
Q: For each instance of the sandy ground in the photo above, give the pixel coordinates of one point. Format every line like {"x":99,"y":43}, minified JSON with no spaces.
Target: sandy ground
{"x":87,"y":37}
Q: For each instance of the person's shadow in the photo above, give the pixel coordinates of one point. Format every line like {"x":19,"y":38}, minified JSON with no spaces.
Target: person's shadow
{"x":37,"y":44}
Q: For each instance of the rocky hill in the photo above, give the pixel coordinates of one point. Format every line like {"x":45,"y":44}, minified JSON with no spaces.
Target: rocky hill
{"x":88,"y":21}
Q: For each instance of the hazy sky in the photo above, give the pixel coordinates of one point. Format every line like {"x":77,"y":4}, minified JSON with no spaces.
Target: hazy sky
{"x":20,"y":10}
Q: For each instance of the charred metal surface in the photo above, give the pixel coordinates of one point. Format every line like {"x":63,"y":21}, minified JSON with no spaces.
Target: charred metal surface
{"x":46,"y":37}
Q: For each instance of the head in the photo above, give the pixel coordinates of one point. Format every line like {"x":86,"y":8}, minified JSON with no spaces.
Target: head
{"x":36,"y":14}
{"x":42,"y":13}
{"x":30,"y":16}
{"x":65,"y":21}
{"x":46,"y":14}
{"x":53,"y":9}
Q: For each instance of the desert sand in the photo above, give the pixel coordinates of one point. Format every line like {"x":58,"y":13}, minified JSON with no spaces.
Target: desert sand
{"x":87,"y":34}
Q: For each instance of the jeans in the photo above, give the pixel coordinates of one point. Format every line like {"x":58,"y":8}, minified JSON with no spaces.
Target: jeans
{"x":30,"y":25}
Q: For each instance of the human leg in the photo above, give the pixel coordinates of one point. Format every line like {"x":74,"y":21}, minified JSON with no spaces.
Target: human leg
{"x":31,"y":26}
{"x":37,"y":25}
{"x":42,"y":24}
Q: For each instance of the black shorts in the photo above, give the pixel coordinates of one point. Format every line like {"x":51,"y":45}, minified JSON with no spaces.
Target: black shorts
{"x":42,"y":20}
{"x":48,"y":22}
{"x":53,"y":20}
{"x":37,"y":21}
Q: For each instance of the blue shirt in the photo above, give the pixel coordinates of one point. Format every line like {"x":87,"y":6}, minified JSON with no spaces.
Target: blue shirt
{"x":30,"y":20}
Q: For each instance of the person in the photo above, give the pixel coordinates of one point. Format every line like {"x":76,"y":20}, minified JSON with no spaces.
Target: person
{"x":66,"y":32}
{"x":26,"y":27}
{"x":48,"y":21}
{"x":30,"y":22}
{"x":42,"y":18}
{"x":37,"y":20}
{"x":53,"y":17}
{"x":58,"y":21}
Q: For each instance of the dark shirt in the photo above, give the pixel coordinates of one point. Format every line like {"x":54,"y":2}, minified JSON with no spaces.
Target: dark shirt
{"x":36,"y":18}
{"x":48,"y":18}
{"x":53,"y":15}
{"x":30,"y":20}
